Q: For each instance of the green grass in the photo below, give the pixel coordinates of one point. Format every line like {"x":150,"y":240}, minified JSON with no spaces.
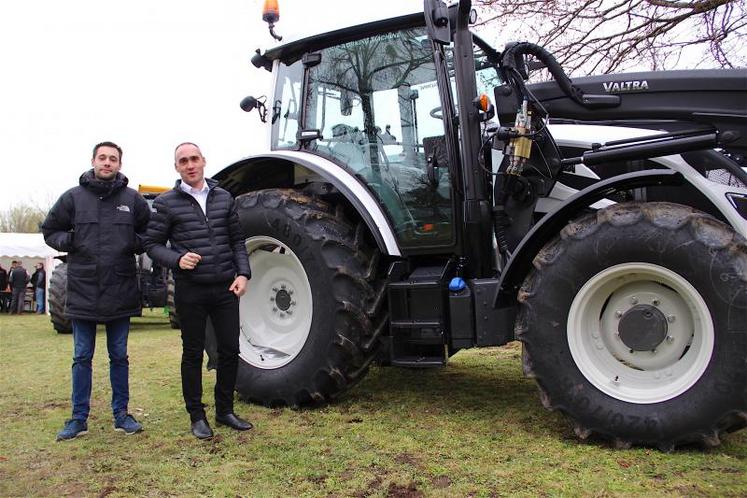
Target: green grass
{"x":474,"y":428}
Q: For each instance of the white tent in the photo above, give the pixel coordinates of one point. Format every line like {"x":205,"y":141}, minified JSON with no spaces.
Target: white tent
{"x":29,"y":248}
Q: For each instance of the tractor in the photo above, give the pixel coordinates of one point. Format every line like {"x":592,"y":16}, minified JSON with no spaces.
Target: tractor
{"x":400,"y":216}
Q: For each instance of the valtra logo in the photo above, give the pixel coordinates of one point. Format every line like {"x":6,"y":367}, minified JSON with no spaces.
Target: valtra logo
{"x":625,"y":86}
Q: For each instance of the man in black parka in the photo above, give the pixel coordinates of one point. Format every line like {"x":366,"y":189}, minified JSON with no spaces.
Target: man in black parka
{"x":211,"y":269}
{"x":99,"y":224}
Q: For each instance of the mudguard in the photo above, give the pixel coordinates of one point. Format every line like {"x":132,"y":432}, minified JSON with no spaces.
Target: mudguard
{"x":276,"y":169}
{"x":520,"y":263}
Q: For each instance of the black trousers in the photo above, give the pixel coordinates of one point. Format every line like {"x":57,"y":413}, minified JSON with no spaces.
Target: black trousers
{"x":194,"y":304}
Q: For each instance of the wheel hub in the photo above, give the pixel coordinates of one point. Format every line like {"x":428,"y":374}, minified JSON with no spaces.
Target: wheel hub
{"x":277,"y":308}
{"x":643,"y":327}
{"x":640,"y":332}
{"x":283,"y":299}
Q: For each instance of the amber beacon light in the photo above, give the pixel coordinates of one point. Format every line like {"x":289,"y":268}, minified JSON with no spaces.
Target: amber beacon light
{"x":271,"y":15}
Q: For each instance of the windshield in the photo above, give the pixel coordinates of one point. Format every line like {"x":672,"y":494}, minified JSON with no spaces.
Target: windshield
{"x":377,"y":105}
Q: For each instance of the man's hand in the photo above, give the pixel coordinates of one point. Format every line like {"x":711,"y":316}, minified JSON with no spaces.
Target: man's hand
{"x":189,"y":261}
{"x":238,"y":286}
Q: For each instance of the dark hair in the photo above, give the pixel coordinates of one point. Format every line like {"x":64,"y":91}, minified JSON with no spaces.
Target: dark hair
{"x":107,"y":144}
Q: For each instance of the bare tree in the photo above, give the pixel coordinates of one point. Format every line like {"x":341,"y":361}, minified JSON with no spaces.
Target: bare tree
{"x":22,"y":218}
{"x":601,"y":36}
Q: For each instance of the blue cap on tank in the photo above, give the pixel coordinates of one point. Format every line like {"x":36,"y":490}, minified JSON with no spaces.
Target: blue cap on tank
{"x":457,"y":284}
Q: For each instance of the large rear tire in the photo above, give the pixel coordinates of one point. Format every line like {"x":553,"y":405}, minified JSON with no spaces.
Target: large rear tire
{"x":633,"y":324}
{"x":310,"y":320}
{"x":57,"y":298}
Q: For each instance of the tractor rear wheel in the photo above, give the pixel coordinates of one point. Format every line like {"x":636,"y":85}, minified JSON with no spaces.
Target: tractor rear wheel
{"x":311,"y":319}
{"x":57,"y":296}
{"x":633,"y":325}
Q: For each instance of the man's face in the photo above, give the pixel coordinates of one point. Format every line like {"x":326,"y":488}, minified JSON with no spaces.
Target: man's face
{"x":106,"y":163}
{"x":190,"y":165}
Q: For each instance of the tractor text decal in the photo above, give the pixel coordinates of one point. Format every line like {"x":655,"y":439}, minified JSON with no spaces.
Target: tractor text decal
{"x":624,"y":86}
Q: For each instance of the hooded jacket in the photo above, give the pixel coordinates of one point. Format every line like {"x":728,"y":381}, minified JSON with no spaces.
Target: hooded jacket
{"x":100,"y":225}
{"x":216,"y":237}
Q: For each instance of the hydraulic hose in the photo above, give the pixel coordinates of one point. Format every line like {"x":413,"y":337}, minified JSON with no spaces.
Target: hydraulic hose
{"x":512,"y":58}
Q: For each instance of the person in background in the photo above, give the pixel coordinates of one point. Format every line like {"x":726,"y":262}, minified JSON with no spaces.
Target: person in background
{"x":211,"y":270}
{"x":3,"y":289}
{"x":99,"y":224}
{"x":39,"y":281}
{"x":18,"y":280}
{"x":387,"y":137}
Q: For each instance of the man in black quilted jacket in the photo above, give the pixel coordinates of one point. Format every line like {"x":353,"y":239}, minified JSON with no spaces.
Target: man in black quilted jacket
{"x":207,"y":255}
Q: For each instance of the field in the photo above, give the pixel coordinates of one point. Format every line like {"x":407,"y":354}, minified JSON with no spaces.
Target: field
{"x":474,"y":428}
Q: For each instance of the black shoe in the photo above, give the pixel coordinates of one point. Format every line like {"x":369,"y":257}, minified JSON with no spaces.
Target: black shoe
{"x":201,"y":429}
{"x":232,"y":421}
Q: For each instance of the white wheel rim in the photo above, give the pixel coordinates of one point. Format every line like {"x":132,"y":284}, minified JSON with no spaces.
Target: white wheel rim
{"x":642,"y":377}
{"x":276,"y":310}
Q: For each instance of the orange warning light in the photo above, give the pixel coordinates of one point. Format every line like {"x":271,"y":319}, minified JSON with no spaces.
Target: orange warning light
{"x":271,"y":11}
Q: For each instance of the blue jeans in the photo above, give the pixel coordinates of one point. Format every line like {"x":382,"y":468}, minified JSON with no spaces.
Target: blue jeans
{"x":39,"y":300}
{"x":84,"y":339}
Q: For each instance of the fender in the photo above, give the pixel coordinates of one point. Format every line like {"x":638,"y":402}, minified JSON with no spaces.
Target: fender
{"x":520,"y":263}
{"x":275,"y":169}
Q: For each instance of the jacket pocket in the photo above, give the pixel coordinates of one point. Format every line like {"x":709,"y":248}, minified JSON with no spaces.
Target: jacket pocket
{"x":85,"y":234}
{"x":82,"y":288}
{"x":124,"y":227}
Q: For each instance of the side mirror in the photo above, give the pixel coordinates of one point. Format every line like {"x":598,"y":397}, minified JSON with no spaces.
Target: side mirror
{"x":249,"y":103}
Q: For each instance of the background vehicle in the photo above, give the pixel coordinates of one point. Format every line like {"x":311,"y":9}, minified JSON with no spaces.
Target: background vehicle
{"x":605,"y":247}
{"x":152,"y":281}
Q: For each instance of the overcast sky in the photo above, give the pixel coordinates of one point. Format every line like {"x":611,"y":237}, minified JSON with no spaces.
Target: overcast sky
{"x":145,"y":74}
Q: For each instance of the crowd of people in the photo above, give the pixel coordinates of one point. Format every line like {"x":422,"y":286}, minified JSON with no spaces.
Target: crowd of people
{"x":16,"y":283}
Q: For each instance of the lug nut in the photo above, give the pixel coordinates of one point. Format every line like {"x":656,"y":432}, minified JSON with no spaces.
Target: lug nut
{"x":618,"y":314}
{"x":634,"y":300}
{"x":670,"y":338}
{"x":670,"y":318}
{"x":274,"y":289}
{"x":272,"y":299}
{"x":274,"y":310}
{"x":656,"y":302}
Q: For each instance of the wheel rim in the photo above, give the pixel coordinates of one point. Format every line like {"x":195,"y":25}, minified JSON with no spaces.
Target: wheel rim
{"x":276,"y":310}
{"x":613,"y":354}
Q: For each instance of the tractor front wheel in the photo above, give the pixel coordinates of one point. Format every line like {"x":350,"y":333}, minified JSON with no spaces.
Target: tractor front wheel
{"x":633,"y":324}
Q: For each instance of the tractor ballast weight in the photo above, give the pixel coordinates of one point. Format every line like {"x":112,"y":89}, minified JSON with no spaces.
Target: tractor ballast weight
{"x":600,"y":222}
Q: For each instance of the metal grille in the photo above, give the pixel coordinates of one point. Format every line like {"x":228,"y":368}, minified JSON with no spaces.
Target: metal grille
{"x":724,"y":177}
